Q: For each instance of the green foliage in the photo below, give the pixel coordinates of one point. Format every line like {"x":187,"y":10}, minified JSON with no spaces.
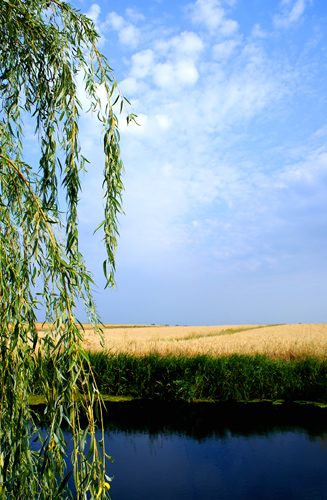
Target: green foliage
{"x":228,"y":378}
{"x":45,"y":45}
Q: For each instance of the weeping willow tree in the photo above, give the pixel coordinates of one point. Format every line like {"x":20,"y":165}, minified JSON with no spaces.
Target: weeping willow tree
{"x":45,"y":46}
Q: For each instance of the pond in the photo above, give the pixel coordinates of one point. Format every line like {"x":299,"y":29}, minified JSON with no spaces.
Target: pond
{"x":204,"y":451}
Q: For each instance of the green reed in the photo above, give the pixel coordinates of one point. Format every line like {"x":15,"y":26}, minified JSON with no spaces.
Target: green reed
{"x":229,"y":378}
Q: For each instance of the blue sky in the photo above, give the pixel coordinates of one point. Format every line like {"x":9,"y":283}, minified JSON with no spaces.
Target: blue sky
{"x":225,"y":179}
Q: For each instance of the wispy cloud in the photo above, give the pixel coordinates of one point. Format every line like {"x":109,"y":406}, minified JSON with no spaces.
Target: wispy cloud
{"x":291,"y":12}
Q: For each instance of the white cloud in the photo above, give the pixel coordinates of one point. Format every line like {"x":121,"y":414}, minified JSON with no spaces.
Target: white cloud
{"x":175,"y":75}
{"x":291,"y":12}
{"x":224,"y":49}
{"x":186,"y":72}
{"x":213,"y":16}
{"x":164,"y":121}
{"x":115,"y":21}
{"x":128,"y":34}
{"x":170,"y":64}
{"x":129,"y":86}
{"x":94,"y":12}
{"x":163,"y":75}
{"x":187,"y":43}
{"x":142,"y":63}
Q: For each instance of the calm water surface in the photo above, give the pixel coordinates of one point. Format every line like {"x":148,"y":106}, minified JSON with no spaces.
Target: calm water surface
{"x":170,"y":451}
{"x":209,"y":451}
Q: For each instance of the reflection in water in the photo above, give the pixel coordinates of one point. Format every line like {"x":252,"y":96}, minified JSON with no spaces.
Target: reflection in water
{"x":203,"y":451}
{"x":179,"y":451}
{"x":202,"y":420}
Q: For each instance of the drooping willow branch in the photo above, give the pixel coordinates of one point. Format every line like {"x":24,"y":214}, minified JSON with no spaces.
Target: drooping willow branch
{"x":45,"y":45}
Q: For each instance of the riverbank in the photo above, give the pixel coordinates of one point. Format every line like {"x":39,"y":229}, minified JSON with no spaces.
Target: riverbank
{"x":229,"y":378}
{"x":235,"y":378}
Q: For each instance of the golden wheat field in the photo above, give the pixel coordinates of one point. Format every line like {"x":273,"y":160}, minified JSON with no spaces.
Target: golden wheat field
{"x":277,"y":341}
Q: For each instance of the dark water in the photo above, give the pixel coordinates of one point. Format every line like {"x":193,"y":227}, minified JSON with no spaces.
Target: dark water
{"x":225,"y":452}
{"x":170,"y":451}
